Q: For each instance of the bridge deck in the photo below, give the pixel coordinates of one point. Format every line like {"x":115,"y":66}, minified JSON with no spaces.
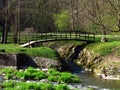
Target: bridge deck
{"x":58,"y":36}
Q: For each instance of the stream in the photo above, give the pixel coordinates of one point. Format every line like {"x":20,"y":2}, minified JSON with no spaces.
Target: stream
{"x":91,"y":80}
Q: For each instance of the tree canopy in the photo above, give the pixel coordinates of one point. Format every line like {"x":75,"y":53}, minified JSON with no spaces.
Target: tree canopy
{"x":99,"y":16}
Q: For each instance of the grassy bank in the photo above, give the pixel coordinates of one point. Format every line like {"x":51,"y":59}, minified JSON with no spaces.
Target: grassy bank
{"x":110,"y":38}
{"x":103,"y":48}
{"x":36,"y":52}
{"x":17,"y":79}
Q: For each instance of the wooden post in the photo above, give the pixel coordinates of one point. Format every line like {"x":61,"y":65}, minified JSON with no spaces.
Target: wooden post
{"x":85,"y":36}
{"x":61,"y":35}
{"x":70,"y":34}
{"x":88,"y":36}
{"x":94,"y":37}
{"x":66,"y":35}
{"x":79,"y":35}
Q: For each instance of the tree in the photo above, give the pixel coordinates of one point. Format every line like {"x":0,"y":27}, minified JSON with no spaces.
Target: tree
{"x":62,"y":20}
{"x":115,"y":4}
{"x":4,"y":16}
{"x":102,"y":13}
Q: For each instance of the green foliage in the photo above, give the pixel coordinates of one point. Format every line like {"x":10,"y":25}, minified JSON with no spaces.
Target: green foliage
{"x":42,"y":51}
{"x":68,"y":78}
{"x":62,"y":20}
{"x":9,"y":73}
{"x":46,"y":86}
{"x":91,"y":89}
{"x":33,"y":86}
{"x":61,"y":87}
{"x":31,"y":73}
{"x":36,"y":52}
{"x":63,"y":77}
{"x":109,"y":38}
{"x":53,"y":78}
{"x":53,"y":72}
{"x":103,"y":48}
{"x":7,"y":70}
{"x":8,"y":84}
{"x":36,"y":74}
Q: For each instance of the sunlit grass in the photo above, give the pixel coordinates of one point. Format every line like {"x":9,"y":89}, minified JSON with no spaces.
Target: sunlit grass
{"x":36,"y":52}
{"x":62,"y":79}
{"x":109,"y":38}
{"x":103,"y":48}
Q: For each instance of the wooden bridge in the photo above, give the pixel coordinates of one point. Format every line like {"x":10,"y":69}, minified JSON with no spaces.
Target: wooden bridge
{"x":59,"y":36}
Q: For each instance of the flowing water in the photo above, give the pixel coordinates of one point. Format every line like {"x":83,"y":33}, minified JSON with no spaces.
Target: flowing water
{"x":91,"y":80}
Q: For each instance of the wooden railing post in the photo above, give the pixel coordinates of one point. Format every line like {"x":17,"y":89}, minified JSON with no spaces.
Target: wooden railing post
{"x":66,"y":35}
{"x":94,"y":37}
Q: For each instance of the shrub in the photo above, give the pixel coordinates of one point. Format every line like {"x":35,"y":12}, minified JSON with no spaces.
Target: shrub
{"x":65,"y":77}
{"x":9,"y":76}
{"x":8,"y":71}
{"x":53,"y":78}
{"x":61,"y":87}
{"x":31,"y":69}
{"x":46,"y":86}
{"x":20,"y":74}
{"x":8,"y":84}
{"x":76,"y":80}
{"x":39,"y":75}
{"x":53,"y":72}
{"x":32,"y":73}
{"x":9,"y":88}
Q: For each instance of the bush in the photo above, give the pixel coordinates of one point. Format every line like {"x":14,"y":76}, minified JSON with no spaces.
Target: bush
{"x":32,"y":73}
{"x":8,"y":84}
{"x":46,"y":86}
{"x":39,"y":75}
{"x":9,"y":88}
{"x":53,"y":78}
{"x":61,"y":87}
{"x":76,"y":80}
{"x":8,"y":71}
{"x":53,"y":72}
{"x":67,"y":77}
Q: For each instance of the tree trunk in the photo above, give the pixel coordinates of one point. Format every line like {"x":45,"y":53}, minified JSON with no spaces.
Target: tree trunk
{"x":4,"y":35}
{"x":5,"y":25}
{"x":104,"y":32}
{"x":15,"y":33}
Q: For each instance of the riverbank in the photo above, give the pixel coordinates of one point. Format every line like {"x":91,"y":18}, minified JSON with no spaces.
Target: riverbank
{"x":102,"y":58}
{"x":99,"y":58}
{"x":39,"y":79}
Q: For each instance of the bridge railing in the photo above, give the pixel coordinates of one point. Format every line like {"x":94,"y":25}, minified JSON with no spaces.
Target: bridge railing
{"x":61,"y":35}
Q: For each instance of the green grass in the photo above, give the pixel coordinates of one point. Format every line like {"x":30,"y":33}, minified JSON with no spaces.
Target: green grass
{"x":103,"y":48}
{"x":110,"y":38}
{"x":12,"y":85}
{"x":36,"y":52}
{"x":34,"y":74}
{"x":63,"y":77}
